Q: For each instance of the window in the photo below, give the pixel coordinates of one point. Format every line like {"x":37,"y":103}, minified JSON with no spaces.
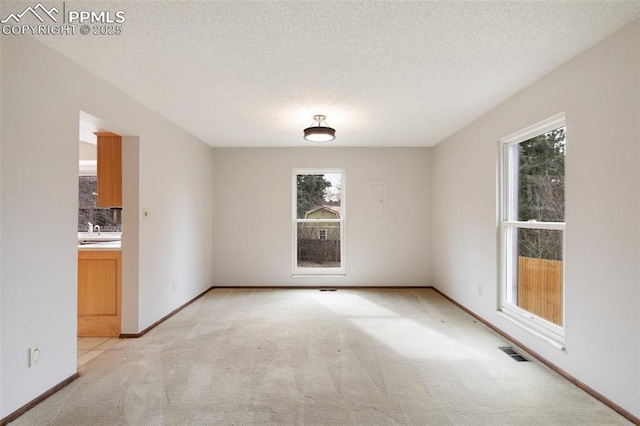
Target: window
{"x":318,"y":221}
{"x":89,"y":212}
{"x":532,"y":225}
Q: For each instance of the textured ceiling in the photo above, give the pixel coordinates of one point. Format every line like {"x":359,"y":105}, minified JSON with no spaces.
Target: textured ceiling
{"x":384,"y":73}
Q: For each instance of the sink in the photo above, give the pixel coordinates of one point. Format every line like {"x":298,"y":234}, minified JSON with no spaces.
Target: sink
{"x":99,"y":244}
{"x":85,"y":237}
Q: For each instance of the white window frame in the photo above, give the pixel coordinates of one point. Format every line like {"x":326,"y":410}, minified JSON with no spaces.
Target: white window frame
{"x":508,"y":226}
{"x":341,"y":220}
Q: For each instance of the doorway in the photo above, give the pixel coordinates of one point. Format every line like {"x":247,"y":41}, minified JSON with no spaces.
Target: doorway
{"x":99,"y":232}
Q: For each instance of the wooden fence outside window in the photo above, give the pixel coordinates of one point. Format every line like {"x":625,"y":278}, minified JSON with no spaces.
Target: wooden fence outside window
{"x":540,"y":288}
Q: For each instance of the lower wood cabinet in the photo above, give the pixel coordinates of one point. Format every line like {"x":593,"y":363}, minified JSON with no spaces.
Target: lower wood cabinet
{"x":99,"y":292}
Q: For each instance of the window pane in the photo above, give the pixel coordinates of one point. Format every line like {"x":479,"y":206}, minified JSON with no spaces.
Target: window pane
{"x":318,"y":196}
{"x":539,"y":273}
{"x":318,"y":245}
{"x":541,"y":177}
{"x":540,"y":243}
{"x":87,"y":210}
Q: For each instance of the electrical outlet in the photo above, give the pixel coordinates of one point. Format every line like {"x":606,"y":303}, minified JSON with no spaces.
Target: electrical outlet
{"x":479,"y":290}
{"x":353,"y":268}
{"x":34,"y":355}
{"x":175,"y":286}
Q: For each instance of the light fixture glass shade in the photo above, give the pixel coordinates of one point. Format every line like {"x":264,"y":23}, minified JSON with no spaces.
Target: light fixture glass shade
{"x":319,"y":133}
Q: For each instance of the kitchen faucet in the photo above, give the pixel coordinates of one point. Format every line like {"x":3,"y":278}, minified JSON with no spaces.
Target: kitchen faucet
{"x":93,"y":228}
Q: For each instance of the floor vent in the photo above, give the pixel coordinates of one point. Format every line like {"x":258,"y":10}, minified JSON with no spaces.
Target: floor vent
{"x":328,"y":289}
{"x":513,"y":354}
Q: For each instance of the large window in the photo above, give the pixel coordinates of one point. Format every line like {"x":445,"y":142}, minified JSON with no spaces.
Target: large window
{"x":532,"y":225}
{"x":318,"y":221}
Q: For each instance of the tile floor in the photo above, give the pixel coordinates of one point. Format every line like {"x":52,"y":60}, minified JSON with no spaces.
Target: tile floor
{"x":91,"y":347}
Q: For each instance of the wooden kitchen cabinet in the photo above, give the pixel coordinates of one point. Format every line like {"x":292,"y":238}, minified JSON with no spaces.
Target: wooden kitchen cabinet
{"x":109,"y":170}
{"x":99,"y":292}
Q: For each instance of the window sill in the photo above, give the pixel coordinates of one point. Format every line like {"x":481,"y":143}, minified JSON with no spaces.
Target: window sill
{"x":556,"y":342}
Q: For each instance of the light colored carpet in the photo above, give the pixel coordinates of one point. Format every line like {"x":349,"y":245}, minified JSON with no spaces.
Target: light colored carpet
{"x":305,"y":357}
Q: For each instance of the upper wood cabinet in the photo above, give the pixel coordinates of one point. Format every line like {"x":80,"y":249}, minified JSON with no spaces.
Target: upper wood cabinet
{"x":109,"y":170}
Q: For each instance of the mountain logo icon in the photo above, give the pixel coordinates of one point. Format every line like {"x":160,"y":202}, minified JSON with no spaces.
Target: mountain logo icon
{"x":38,"y":11}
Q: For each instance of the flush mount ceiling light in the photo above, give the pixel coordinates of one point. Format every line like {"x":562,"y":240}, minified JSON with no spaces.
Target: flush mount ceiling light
{"x":319,"y":133}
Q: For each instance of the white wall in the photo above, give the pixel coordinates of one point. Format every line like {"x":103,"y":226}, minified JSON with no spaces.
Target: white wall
{"x":42,"y":94}
{"x":88,"y":151}
{"x":599,"y":91}
{"x":253,"y":223}
{"x":130,"y":320}
{"x":2,"y":106}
